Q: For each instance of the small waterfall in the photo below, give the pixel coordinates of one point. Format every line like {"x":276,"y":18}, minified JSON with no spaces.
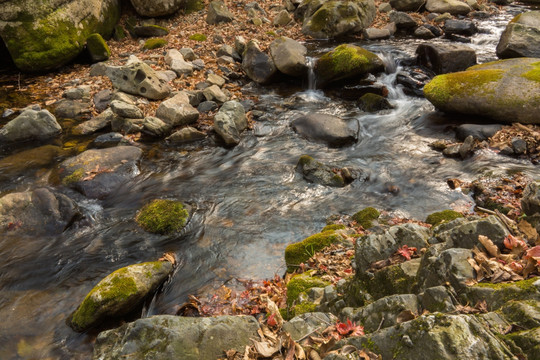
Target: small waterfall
{"x":312,"y":80}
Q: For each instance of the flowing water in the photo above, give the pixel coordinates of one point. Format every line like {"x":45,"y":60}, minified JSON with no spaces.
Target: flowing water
{"x":249,"y":203}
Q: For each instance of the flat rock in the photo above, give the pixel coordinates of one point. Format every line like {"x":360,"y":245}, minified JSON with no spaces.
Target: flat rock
{"x":140,"y":79}
{"x":453,"y":7}
{"x":324,"y":128}
{"x":445,"y":58}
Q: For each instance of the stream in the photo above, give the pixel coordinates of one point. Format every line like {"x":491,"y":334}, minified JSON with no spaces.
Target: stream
{"x":249,"y":201}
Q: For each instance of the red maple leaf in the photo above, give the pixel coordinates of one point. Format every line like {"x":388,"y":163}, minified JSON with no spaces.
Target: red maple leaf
{"x":349,"y":328}
{"x":533,"y":253}
{"x":406,"y":251}
{"x":511,"y":242}
{"x":271,"y":320}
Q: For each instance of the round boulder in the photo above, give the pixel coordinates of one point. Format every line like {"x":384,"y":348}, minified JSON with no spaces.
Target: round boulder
{"x":324,"y":128}
{"x":521,"y":38}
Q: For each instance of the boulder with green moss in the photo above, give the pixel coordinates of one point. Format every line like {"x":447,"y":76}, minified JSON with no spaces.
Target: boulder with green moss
{"x":463,"y":233}
{"x":119,"y":293}
{"x":329,"y":19}
{"x":365,"y":217}
{"x":44,"y":35}
{"x":97,"y":48}
{"x":346,"y":62}
{"x":521,"y":37}
{"x":162,"y":216}
{"x":301,"y":284}
{"x":300,"y":252}
{"x":372,"y":103}
{"x":154,"y":43}
{"x":166,"y":337}
{"x":319,"y":173}
{"x":434,"y":336}
{"x":150,"y":31}
{"x":442,"y":216}
{"x":393,"y":279}
{"x":156,"y":7}
{"x":506,"y":90}
{"x":375,"y":247}
{"x":528,"y":342}
{"x":97,"y":173}
{"x":497,"y":295}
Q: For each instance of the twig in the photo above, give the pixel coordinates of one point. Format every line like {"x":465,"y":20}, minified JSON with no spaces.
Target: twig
{"x":380,"y":324}
{"x":523,"y":127}
{"x":487,"y":211}
{"x":19,"y":81}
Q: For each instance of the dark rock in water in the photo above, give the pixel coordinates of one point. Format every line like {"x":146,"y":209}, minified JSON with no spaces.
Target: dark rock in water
{"x":445,"y":58}
{"x":413,"y":82}
{"x":150,"y":31}
{"x":435,"y":30}
{"x":319,"y":173}
{"x":37,"y":212}
{"x":422,"y":32}
{"x":71,"y":109}
{"x":452,"y":151}
{"x":177,"y":337}
{"x":230,"y":121}
{"x":467,"y":148}
{"x":325,"y":128}
{"x":354,"y":92}
{"x":480,"y":132}
{"x":460,"y":27}
{"x":373,"y":103}
{"x":521,"y":38}
{"x":97,"y":173}
{"x":186,"y":135}
{"x":458,"y":38}
{"x":519,"y":146}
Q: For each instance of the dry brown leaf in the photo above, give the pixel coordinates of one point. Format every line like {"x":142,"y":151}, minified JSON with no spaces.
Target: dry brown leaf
{"x":313,"y":355}
{"x":299,"y":352}
{"x":405,"y":315}
{"x":266,"y":348}
{"x":491,"y":248}
{"x":528,"y":230}
{"x":348,"y":349}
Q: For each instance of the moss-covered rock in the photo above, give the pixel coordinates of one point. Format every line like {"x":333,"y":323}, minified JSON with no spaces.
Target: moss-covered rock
{"x":97,"y":48}
{"x":505,"y":90}
{"x":119,"y":293}
{"x":394,"y":279}
{"x":299,"y":252}
{"x":345,"y":62}
{"x":198,"y":37}
{"x":496,"y":295}
{"x":328,"y":19}
{"x":162,"y":216}
{"x":528,"y":342}
{"x":365,"y":217}
{"x":154,"y":43}
{"x":442,"y":216}
{"x":300,"y":284}
{"x":372,"y":103}
{"x":44,"y":35}
{"x":334,"y":227}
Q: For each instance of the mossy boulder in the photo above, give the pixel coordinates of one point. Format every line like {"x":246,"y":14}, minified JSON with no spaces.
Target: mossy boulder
{"x":119,"y":293}
{"x":44,"y":35}
{"x":198,"y":37}
{"x":154,"y":43}
{"x":300,"y":284}
{"x":394,"y":279}
{"x":372,"y":103}
{"x":521,"y":37}
{"x":329,"y":19}
{"x":528,"y":342}
{"x":97,"y":48}
{"x":497,"y":295}
{"x":365,"y":217}
{"x":319,"y":173}
{"x":162,"y":216}
{"x":166,"y":337}
{"x":506,"y":90}
{"x":346,"y":62}
{"x":297,"y":253}
{"x":442,"y":216}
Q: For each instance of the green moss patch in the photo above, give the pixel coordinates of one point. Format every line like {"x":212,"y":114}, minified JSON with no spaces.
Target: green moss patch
{"x":162,"y":216}
{"x":534,"y":74}
{"x":333,"y":227}
{"x":442,"y":216}
{"x":366,"y":217}
{"x":198,"y":37}
{"x":74,"y":177}
{"x":444,"y":87}
{"x":193,"y":6}
{"x":302,"y":283}
{"x":297,"y":253}
{"x":154,"y":43}
{"x":98,"y":48}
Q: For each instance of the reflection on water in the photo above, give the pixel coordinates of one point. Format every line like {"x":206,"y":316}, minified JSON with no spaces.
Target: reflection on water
{"x":249,"y":205}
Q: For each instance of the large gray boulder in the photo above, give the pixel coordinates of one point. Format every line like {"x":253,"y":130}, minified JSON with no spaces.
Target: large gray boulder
{"x":521,"y":37}
{"x":218,"y":13}
{"x":450,"y":266}
{"x":166,"y":337}
{"x":36,"y":212}
{"x":375,"y":247}
{"x":119,"y":293}
{"x":156,"y":7}
{"x":177,"y":111}
{"x":289,"y":56}
{"x":464,"y":234}
{"x":329,"y":19}
{"x":453,"y":7}
{"x":258,"y":66}
{"x":97,"y":173}
{"x":346,"y":62}
{"x":44,"y":35}
{"x":138,"y":78}
{"x":230,"y":121}
{"x":30,"y":125}
{"x":445,"y":58}
{"x":505,"y":90}
{"x":327,"y":129}
{"x":435,"y":336}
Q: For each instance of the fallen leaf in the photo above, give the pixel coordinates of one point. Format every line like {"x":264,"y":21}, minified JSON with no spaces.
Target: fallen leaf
{"x":405,"y":315}
{"x":265,"y":348}
{"x":491,"y":248}
{"x":528,"y":230}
